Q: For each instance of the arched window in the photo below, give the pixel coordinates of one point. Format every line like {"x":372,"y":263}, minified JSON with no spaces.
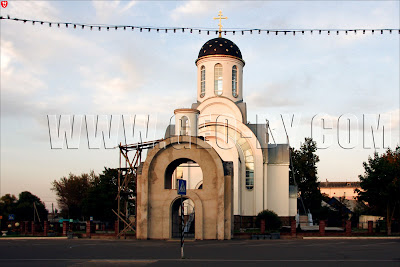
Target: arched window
{"x":234,"y":82}
{"x":249,"y":176}
{"x":218,"y":79}
{"x":185,"y":127}
{"x":249,"y":161}
{"x":203,"y":81}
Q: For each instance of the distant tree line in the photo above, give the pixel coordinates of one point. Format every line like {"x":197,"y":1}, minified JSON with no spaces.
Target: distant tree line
{"x":23,"y":207}
{"x":90,"y":195}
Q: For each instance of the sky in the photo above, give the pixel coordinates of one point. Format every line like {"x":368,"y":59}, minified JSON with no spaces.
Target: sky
{"x":345,"y":81}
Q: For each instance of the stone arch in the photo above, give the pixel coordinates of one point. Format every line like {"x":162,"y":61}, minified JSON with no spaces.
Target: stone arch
{"x":177,"y":170}
{"x":199,"y":185}
{"x":213,"y":202}
{"x":170,"y":169}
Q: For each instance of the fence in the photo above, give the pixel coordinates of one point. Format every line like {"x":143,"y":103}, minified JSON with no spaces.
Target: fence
{"x":58,"y":228}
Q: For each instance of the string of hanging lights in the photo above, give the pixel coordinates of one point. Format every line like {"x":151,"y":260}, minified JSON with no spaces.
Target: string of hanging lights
{"x":198,"y":30}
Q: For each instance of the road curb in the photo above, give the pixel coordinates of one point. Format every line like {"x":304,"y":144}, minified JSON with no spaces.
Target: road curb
{"x":33,"y":238}
{"x":351,"y":237}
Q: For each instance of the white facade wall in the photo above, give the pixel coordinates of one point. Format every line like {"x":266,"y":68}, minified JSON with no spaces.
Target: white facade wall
{"x":278,"y":189}
{"x":265,"y":187}
{"x":229,"y":153}
{"x":249,"y":201}
{"x":292,"y":206}
{"x":219,"y":109}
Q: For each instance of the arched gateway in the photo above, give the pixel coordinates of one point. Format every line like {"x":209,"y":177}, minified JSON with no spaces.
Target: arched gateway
{"x":157,"y":200}
{"x":188,"y":217}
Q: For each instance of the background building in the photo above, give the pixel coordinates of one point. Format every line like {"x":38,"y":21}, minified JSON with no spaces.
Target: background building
{"x":340,"y":189}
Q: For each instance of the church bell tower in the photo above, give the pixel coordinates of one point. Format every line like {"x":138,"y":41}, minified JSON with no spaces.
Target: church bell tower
{"x":220,"y":78}
{"x":220,"y":71}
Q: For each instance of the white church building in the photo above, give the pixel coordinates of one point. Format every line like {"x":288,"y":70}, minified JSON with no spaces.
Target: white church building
{"x":219,"y":117}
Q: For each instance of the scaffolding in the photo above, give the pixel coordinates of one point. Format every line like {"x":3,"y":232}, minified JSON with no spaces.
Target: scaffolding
{"x":127,"y":177}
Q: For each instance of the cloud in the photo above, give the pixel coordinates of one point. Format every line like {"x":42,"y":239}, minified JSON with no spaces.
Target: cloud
{"x":19,"y":85}
{"x":128,"y":6}
{"x":395,"y":120}
{"x":34,"y":78}
{"x":43,"y":10}
{"x":191,"y":8}
{"x":27,"y":82}
{"x":198,"y":8}
{"x":112,"y":84}
{"x":108,"y":9}
{"x":273,"y":95}
{"x":7,"y":52}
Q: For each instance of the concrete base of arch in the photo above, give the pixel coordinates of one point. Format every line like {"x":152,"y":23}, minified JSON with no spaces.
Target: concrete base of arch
{"x":213,"y":203}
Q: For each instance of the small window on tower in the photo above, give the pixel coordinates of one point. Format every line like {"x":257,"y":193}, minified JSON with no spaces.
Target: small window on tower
{"x":218,"y":79}
{"x":203,"y":81}
{"x":185,"y":127}
{"x":234,"y":81}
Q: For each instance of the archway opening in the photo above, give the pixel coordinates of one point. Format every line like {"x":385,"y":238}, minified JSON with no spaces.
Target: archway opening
{"x":188,"y":218}
{"x":185,"y":127}
{"x":185,"y":169}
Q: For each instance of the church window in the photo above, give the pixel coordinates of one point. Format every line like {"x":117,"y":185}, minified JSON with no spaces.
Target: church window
{"x":249,"y":179}
{"x":234,"y":81}
{"x":185,"y":127}
{"x":249,"y":175}
{"x":218,"y":79}
{"x":203,"y":81}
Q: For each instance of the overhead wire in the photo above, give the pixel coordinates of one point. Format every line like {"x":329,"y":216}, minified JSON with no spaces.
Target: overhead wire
{"x":199,"y":30}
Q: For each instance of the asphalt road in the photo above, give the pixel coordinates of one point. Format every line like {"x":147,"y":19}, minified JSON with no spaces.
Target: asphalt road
{"x":86,"y":252}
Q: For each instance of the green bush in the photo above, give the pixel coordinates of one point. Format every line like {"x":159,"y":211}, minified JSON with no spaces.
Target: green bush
{"x":272,"y":221}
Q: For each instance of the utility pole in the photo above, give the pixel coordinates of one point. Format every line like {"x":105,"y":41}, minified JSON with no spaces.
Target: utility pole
{"x":181,"y":190}
{"x":35,"y":210}
{"x":182,"y":229}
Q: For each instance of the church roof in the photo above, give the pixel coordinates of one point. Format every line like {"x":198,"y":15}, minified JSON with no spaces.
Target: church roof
{"x":220,"y":46}
{"x":338,"y":184}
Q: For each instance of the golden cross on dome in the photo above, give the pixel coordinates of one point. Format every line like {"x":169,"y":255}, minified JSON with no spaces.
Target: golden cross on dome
{"x":220,"y":25}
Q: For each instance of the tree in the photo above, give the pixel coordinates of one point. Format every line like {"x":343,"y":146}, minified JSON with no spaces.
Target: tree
{"x":304,"y":170}
{"x":380,"y":185}
{"x":101,"y":196}
{"x":7,"y":205}
{"x":71,"y":192}
{"x":24,"y":207}
{"x":8,"y":201}
{"x":272,"y":220}
{"x":92,"y":195}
